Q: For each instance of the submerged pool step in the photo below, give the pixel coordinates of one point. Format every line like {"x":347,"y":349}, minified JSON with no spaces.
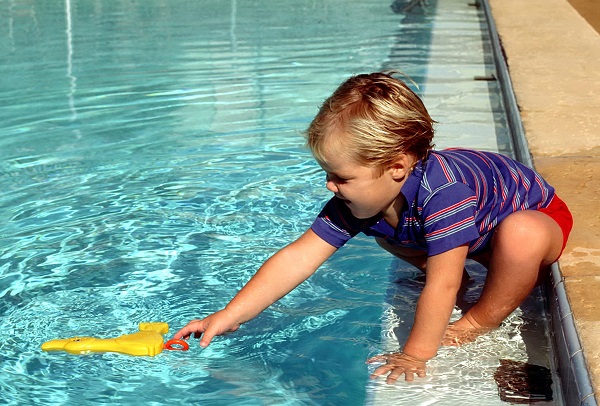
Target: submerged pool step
{"x":572,"y":384}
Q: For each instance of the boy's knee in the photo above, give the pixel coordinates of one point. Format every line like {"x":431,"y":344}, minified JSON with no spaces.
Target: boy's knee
{"x":517,"y":225}
{"x":529,"y":231}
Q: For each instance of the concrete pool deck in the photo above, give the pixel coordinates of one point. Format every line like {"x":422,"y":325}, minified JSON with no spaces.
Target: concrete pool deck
{"x":552,"y":48}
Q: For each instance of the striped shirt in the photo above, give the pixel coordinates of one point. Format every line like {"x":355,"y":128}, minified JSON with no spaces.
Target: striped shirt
{"x":454,"y":197}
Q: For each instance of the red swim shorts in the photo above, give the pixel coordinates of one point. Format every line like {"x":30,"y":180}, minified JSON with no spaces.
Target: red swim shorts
{"x":559,"y":212}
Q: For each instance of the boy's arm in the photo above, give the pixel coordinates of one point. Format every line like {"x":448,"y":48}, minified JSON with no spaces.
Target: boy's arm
{"x":280,"y":274}
{"x":434,"y":308}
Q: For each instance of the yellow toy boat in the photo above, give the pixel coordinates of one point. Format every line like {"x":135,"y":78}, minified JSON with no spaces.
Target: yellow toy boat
{"x":148,"y":341}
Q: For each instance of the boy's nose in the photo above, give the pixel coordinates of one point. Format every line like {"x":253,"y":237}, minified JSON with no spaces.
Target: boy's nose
{"x":331,"y":186}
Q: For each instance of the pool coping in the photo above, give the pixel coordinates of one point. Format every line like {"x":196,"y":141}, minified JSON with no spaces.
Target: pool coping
{"x":576,"y":383}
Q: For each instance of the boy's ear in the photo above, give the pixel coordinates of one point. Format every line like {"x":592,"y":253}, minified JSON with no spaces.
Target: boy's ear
{"x":402,"y":166}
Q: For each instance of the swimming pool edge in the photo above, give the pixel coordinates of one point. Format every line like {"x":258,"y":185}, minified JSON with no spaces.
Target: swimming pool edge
{"x":576,"y":382}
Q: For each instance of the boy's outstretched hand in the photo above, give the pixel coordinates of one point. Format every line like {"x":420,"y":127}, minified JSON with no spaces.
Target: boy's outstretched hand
{"x":398,"y":364}
{"x":217,"y":323}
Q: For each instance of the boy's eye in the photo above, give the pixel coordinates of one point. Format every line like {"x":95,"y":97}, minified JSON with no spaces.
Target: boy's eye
{"x":336,"y":178}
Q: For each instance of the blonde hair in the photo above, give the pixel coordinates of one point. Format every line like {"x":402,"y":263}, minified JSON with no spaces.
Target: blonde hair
{"x":377,"y":116}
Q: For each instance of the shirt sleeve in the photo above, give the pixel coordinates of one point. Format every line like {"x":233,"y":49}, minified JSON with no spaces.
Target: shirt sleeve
{"x":336,"y":224}
{"x":449,"y":217}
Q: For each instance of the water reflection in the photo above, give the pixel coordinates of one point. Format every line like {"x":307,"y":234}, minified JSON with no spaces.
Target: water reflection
{"x":150,"y":160}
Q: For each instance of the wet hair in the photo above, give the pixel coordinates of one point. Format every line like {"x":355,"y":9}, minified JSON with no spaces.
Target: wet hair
{"x":375,"y":117}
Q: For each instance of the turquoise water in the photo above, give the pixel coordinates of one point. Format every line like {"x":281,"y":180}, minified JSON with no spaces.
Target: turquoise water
{"x":151,"y":159}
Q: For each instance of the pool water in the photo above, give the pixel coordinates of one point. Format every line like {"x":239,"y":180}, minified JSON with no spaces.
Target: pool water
{"x":151,"y":159}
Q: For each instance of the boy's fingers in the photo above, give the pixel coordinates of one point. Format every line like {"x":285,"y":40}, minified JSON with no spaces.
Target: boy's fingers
{"x":382,"y":370}
{"x":207,"y":337}
{"x":187,"y":330}
{"x":377,"y":358}
{"x":181,"y":335}
{"x":395,"y":374}
{"x":394,"y":370}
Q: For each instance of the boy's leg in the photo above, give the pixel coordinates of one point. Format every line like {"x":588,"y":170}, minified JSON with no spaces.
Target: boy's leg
{"x":522,"y":248}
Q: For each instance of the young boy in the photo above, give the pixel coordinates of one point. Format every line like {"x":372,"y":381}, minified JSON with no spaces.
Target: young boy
{"x":434,"y":209}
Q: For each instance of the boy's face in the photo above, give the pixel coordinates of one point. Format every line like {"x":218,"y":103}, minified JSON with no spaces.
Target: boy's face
{"x":362,"y":189}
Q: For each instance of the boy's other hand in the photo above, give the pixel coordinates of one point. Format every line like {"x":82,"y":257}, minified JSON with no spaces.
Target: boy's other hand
{"x":458,"y":334}
{"x":218,"y":323}
{"x":397,"y":364}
